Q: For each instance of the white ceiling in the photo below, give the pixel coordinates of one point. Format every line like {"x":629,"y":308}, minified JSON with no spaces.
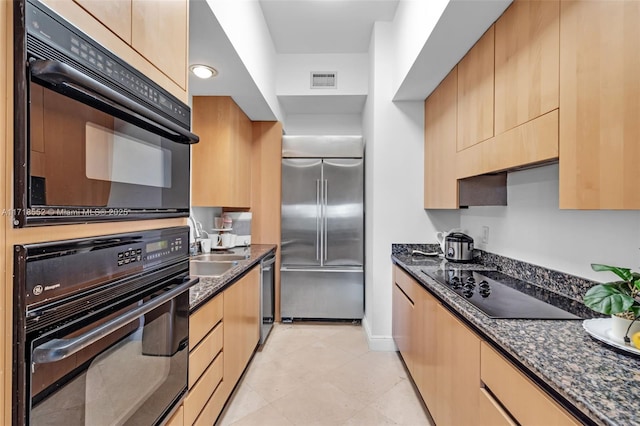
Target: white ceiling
{"x":324,"y":26}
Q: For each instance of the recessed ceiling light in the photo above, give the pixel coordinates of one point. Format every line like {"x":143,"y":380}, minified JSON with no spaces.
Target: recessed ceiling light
{"x":203,"y":71}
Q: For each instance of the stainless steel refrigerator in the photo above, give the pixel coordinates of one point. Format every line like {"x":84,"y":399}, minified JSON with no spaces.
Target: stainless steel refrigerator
{"x":322,"y":273}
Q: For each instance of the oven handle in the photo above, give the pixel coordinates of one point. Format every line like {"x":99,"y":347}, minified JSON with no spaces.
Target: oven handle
{"x":56,"y":72}
{"x":58,"y":349}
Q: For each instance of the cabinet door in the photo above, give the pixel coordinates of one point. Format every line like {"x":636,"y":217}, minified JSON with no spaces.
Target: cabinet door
{"x":424,"y":335}
{"x":440,"y":183}
{"x":159,"y":32}
{"x":403,"y":306}
{"x":475,"y":93}
{"x":599,"y":126}
{"x":241,"y":325}
{"x":526,"y":62}
{"x":458,"y":372}
{"x":221,"y":161}
{"x":114,"y":14}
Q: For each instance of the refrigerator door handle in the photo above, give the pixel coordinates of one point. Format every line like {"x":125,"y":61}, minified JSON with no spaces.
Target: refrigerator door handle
{"x":324,"y":216}
{"x":318,"y":217}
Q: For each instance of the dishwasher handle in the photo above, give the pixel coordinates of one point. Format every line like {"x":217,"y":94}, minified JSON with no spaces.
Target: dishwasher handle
{"x":268,"y":261}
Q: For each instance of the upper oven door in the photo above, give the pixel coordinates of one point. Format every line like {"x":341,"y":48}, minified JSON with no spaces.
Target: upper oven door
{"x":95,"y":139}
{"x":83,"y":157}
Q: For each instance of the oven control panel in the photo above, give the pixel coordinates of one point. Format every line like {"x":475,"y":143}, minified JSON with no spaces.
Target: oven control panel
{"x":59,"y":269}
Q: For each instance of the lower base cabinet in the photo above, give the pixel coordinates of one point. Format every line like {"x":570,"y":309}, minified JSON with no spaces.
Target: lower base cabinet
{"x":178,"y":418}
{"x":523,"y":401}
{"x":222,"y":337}
{"x":461,"y":378}
{"x":457,"y":371}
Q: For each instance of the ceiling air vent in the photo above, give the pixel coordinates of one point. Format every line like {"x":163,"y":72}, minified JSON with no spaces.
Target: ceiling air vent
{"x":324,"y":80}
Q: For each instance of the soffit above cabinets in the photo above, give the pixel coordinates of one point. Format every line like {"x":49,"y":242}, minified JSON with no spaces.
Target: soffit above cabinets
{"x":209,"y":45}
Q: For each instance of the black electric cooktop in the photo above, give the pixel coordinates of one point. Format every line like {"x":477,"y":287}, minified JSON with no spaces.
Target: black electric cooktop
{"x":501,"y":296}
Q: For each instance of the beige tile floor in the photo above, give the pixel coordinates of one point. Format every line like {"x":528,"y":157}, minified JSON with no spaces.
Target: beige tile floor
{"x":323,"y":374}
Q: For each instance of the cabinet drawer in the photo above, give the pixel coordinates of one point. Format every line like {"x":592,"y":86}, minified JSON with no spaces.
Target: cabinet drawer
{"x":406,"y":283}
{"x":201,"y":356}
{"x":213,"y":408}
{"x":203,"y":389}
{"x":522,"y":398}
{"x":490,"y":412}
{"x":178,"y":418}
{"x":203,"y":320}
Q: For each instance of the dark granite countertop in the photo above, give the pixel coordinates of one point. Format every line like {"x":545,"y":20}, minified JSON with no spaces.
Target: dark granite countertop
{"x":208,"y":287}
{"x":598,"y":383}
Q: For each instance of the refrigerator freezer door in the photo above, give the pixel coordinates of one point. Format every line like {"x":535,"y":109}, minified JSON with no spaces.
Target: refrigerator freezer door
{"x":322,"y":294}
{"x":301,"y":210}
{"x":343,"y":221}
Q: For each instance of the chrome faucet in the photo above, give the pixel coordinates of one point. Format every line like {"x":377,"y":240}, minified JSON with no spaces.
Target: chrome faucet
{"x":194,"y":247}
{"x":196,"y":232}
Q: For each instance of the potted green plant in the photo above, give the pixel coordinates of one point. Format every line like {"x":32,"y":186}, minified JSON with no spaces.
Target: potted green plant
{"x":620,"y":299}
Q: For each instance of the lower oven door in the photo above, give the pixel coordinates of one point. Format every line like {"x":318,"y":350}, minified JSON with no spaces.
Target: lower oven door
{"x":128,"y":367}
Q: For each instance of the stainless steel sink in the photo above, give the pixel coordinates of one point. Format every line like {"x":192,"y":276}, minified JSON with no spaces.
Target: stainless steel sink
{"x":219,"y":257}
{"x":203,"y":268}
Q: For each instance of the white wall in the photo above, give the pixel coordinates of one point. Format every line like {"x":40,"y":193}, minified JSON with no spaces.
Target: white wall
{"x":244,"y":25}
{"x":532,"y":228}
{"x":293,"y":76}
{"x":394,"y":184}
{"x":413,"y":23}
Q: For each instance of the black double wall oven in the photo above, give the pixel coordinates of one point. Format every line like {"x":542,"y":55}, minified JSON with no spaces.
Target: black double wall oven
{"x":100,"y":324}
{"x":101,"y":329}
{"x":95,"y":139}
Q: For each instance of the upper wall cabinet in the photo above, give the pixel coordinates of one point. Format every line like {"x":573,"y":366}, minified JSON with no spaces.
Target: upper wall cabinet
{"x":440,"y":183}
{"x":114,"y":14}
{"x":526,"y":62}
{"x":221,"y":161}
{"x":159,"y":32}
{"x":600,"y":111}
{"x":475,"y":93}
{"x":156,"y":29}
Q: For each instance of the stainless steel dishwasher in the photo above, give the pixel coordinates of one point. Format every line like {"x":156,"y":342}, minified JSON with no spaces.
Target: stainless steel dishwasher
{"x":267,"y":295}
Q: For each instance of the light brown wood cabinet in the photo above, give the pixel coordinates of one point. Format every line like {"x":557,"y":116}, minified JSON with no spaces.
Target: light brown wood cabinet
{"x":113,"y":14}
{"x":600,"y":88}
{"x":221,"y":161}
{"x":507,"y":103}
{"x":440,"y":129}
{"x":429,"y":340}
{"x":457,"y":371}
{"x":403,"y":316}
{"x":160,"y":32}
{"x":178,"y":418}
{"x":266,"y":191}
{"x":206,"y":357}
{"x":523,"y":401}
{"x":222,"y":337}
{"x":242,"y":324}
{"x":533,"y":142}
{"x":475,"y":93}
{"x":526,"y":62}
{"x":414,"y":331}
{"x":157,"y":29}
{"x":461,"y":379}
